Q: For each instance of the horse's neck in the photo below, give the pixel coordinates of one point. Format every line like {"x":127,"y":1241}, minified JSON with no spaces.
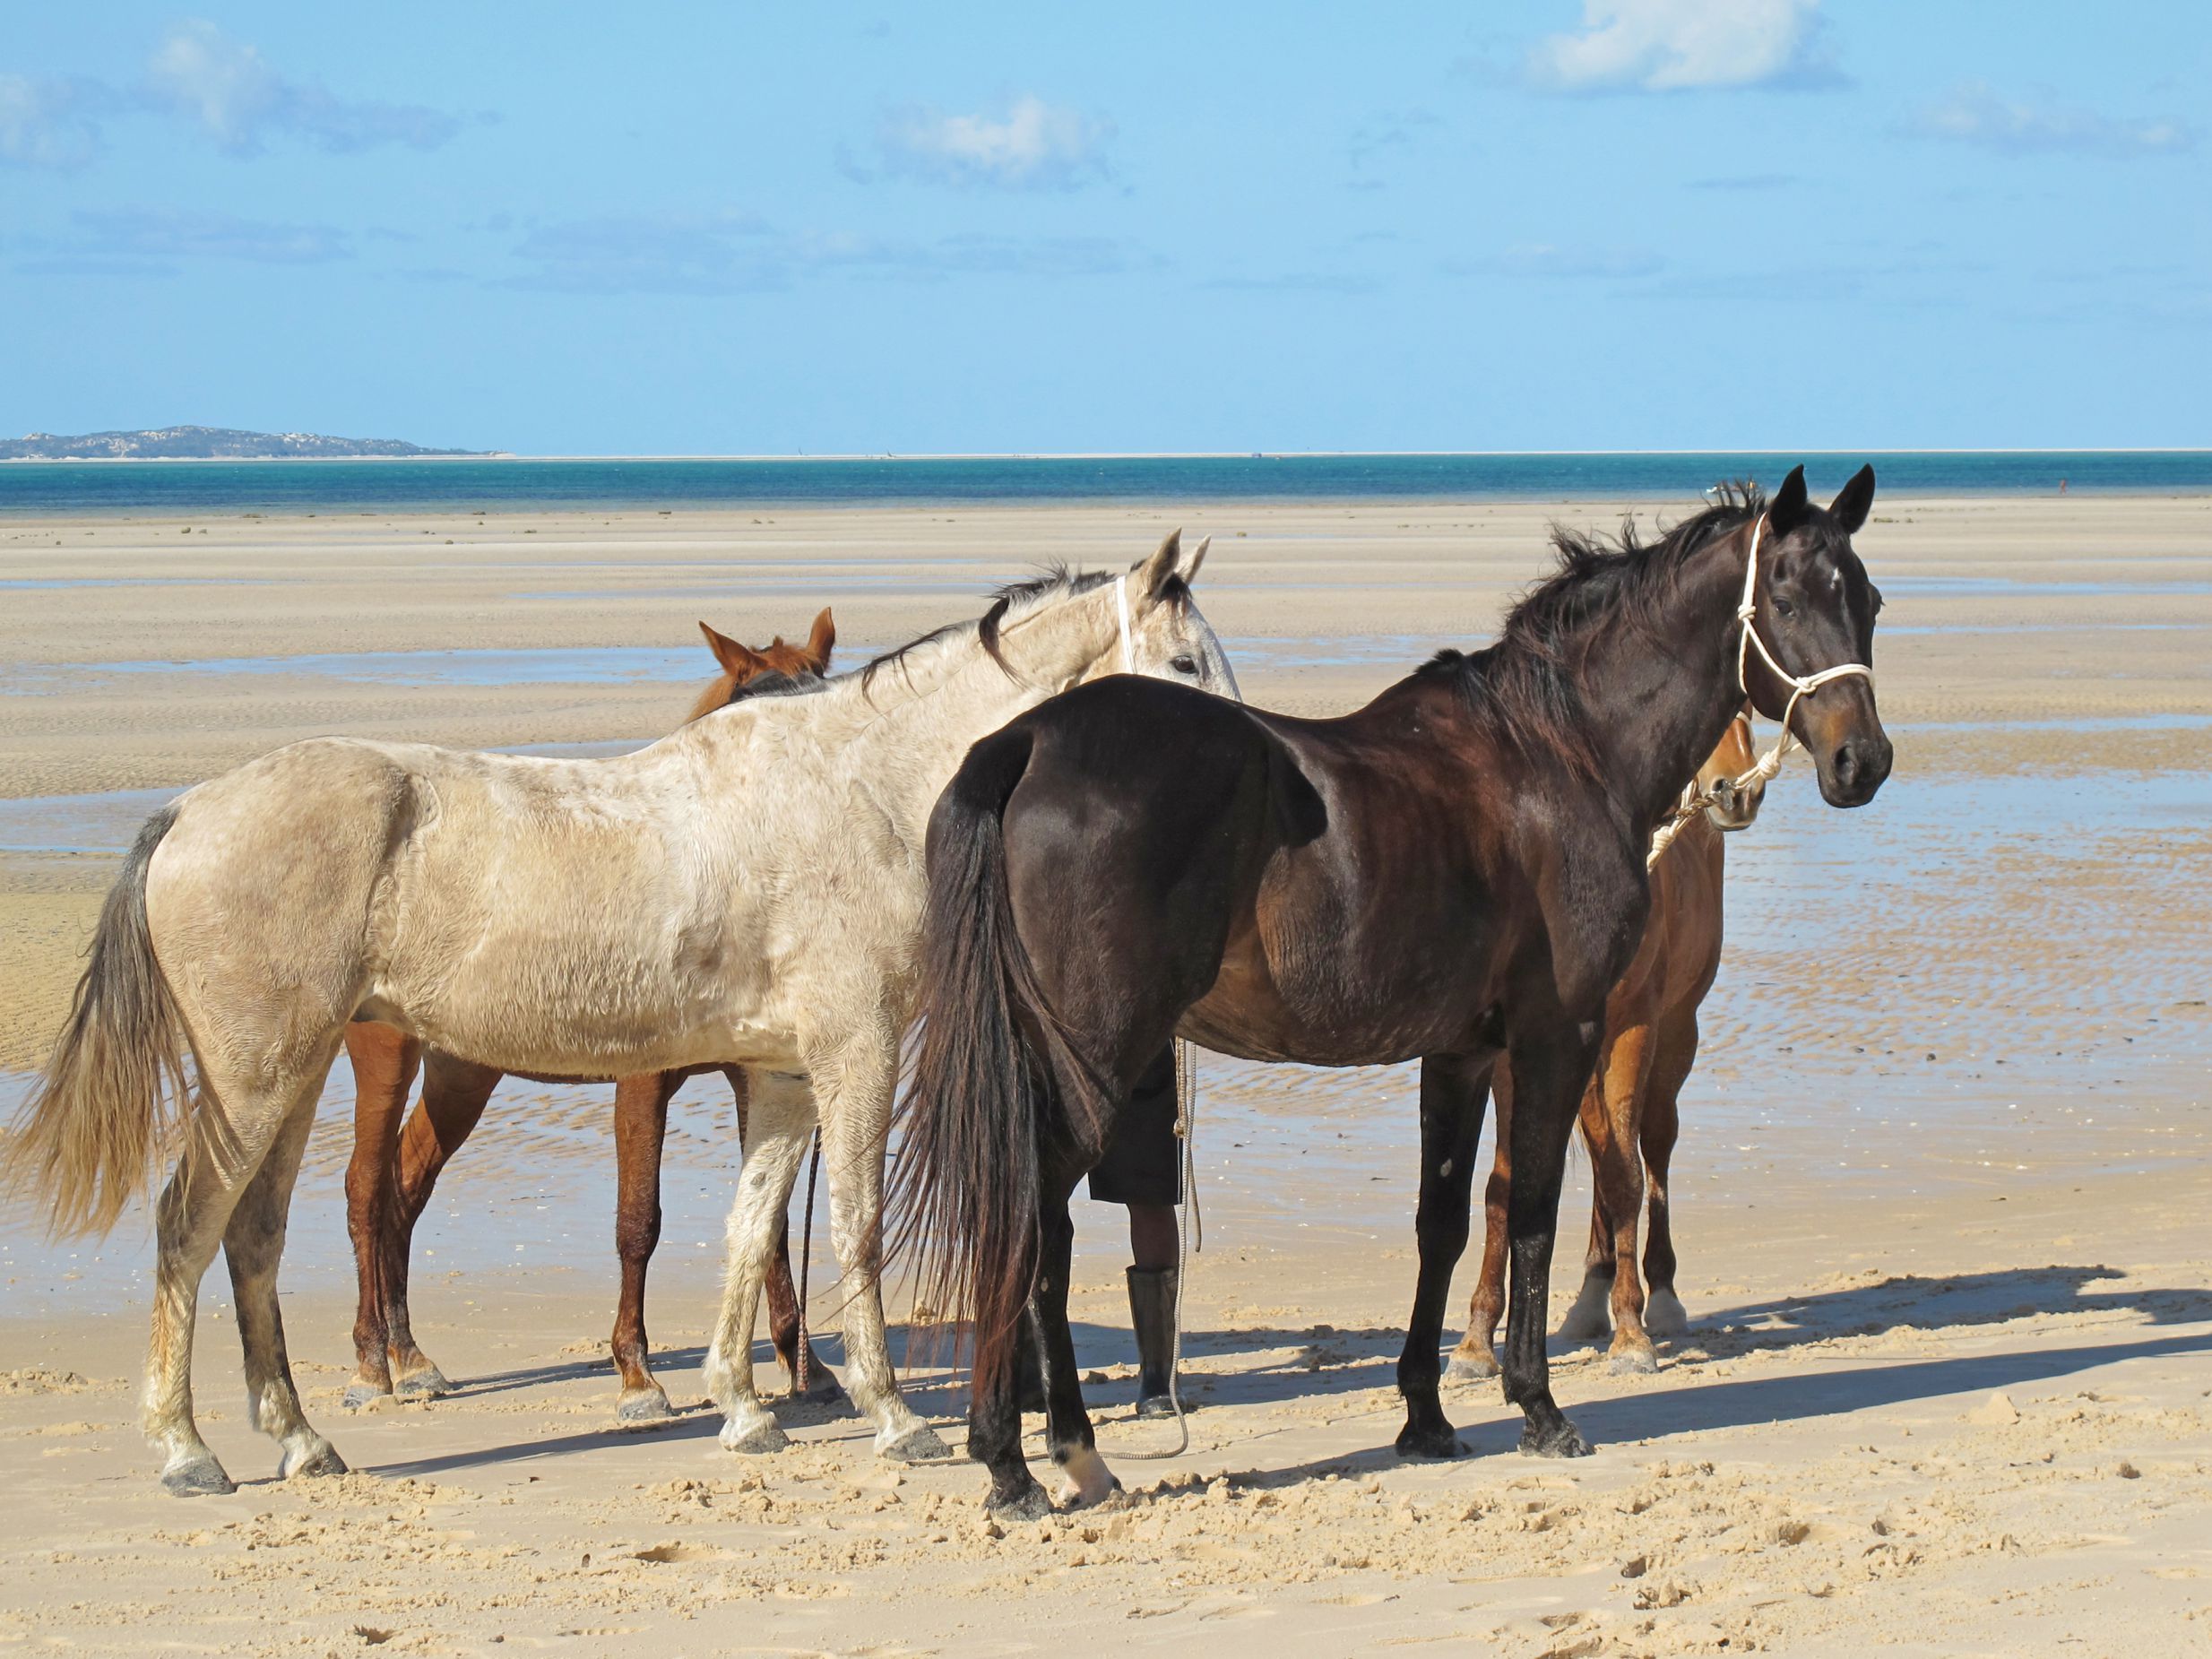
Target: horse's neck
{"x":905,"y":748}
{"x":1656,"y":713}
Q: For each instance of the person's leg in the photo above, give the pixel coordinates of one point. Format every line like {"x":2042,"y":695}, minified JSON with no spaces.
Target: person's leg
{"x":1142,"y":1170}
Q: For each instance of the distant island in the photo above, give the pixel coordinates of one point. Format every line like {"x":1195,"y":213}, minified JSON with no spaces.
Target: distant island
{"x":212,"y":444}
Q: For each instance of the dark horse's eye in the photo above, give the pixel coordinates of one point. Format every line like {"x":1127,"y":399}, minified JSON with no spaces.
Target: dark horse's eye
{"x":1783,"y":608}
{"x":1185,"y":664}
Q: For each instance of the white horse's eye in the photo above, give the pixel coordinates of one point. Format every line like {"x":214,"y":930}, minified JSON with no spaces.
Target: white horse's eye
{"x":1185,"y":664}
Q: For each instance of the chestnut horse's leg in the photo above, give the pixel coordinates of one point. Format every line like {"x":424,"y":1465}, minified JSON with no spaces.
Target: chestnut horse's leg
{"x":385,"y":1061}
{"x":1476,"y":1357}
{"x":640,"y":1126}
{"x":1613,"y":1107}
{"x":1551,"y":1065}
{"x":1676,"y":1053}
{"x":453,"y":1096}
{"x":1454,"y":1089}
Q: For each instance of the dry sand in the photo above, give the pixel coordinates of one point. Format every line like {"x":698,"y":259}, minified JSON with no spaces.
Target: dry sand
{"x":1941,"y":1194}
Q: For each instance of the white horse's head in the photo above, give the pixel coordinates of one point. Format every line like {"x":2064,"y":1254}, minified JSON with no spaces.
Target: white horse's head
{"x":1160,"y":631}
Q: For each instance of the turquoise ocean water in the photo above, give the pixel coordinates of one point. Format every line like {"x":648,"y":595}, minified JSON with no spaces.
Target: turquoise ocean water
{"x":234,"y":487}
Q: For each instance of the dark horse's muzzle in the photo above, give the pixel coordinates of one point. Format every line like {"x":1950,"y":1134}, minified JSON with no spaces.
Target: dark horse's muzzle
{"x":1852,"y":769}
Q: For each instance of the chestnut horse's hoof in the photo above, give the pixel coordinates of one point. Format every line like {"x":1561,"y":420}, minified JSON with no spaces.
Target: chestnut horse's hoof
{"x":822,"y":1387}
{"x":1663,"y":1315}
{"x":918,"y":1444}
{"x":1632,"y":1362}
{"x":1434,"y":1440}
{"x":203,"y":1477}
{"x":428,"y":1384}
{"x":644,"y":1407}
{"x":362,"y":1395}
{"x":1562,"y":1439}
{"x":1466,"y":1367}
{"x":1026,"y":1502}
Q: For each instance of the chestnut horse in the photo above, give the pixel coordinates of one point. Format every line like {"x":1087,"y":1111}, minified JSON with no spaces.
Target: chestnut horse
{"x":1455,"y":873}
{"x":393,"y":1170}
{"x":1628,"y":1121}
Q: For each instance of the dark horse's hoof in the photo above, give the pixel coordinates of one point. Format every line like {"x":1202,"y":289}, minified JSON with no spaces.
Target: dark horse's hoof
{"x":1026,"y":1502}
{"x":1437,"y":1440}
{"x":1562,"y":1439}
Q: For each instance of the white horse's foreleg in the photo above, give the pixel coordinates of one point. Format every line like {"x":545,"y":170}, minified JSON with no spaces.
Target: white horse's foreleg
{"x":777,"y":1120}
{"x":254,"y":1242}
{"x":854,"y":1093}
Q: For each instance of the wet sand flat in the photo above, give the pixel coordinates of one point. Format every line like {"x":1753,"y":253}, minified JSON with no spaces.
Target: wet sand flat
{"x":1940,"y":1198}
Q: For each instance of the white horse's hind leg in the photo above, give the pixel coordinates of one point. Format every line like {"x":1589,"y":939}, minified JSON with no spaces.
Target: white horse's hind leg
{"x":855,"y":1093}
{"x":254,"y":1242}
{"x":778,"y":1121}
{"x":188,"y":1224}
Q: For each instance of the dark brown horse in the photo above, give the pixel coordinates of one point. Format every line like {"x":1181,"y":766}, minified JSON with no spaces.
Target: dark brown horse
{"x":1629,"y":1117}
{"x":1454,"y":873}
{"x":393,"y":1170}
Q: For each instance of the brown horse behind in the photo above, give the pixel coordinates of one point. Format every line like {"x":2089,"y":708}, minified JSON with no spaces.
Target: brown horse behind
{"x":1628,"y":1119}
{"x":389,"y":1181}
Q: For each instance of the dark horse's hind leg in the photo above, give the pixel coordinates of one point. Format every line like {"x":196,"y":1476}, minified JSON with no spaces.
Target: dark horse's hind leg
{"x":1453,"y":1090}
{"x":1067,"y":1425}
{"x":1550,"y":1068}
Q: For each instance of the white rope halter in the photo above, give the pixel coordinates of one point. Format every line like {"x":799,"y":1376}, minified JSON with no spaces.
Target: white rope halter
{"x":1121,"y":607}
{"x":1695,"y":800}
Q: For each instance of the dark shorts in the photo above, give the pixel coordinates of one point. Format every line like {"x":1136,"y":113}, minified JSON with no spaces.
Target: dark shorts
{"x":1144,"y":1161}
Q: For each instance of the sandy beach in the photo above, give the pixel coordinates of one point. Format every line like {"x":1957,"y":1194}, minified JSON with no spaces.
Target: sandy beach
{"x":1941,"y":1198}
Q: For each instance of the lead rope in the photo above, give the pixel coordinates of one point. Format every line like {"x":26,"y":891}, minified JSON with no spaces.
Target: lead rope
{"x":1193,"y":1229}
{"x":1696,"y":800}
{"x":801,"y":1361}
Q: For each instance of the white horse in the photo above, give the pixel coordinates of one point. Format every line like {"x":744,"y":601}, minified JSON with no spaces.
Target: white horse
{"x":748,"y":890}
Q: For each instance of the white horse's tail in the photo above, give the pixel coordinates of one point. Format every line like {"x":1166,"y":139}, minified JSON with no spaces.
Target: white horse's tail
{"x":87,"y":1138}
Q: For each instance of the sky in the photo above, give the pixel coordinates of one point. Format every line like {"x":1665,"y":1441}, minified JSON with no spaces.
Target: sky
{"x":740,"y":228}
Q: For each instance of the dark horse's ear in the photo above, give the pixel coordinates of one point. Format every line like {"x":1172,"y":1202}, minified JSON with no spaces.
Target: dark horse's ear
{"x":1849,"y":509}
{"x":1787,"y":510}
{"x":822,"y":641}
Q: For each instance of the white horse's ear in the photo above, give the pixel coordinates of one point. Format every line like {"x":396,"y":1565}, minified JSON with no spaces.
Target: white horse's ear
{"x":1153,"y":574}
{"x":1197,"y":557}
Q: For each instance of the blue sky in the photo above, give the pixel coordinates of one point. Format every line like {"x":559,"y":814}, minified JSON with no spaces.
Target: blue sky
{"x":739,"y":228}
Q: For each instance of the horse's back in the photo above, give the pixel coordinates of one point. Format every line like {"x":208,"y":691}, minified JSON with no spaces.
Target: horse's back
{"x":260,"y":899}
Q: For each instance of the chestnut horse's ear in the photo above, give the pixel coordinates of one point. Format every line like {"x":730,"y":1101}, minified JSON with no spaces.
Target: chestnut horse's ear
{"x":1787,"y":510}
{"x":822,"y":641}
{"x":1851,"y":502}
{"x":739,"y":661}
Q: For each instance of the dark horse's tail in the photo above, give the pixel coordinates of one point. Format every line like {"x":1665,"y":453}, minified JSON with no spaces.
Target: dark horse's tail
{"x":983,"y":1095}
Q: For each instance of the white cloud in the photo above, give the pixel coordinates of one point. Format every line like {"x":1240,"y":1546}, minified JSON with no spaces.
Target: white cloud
{"x":233,"y":94}
{"x":1034,"y":145}
{"x":1975,"y":114}
{"x":1673,"y":46}
{"x":150,"y":241}
{"x":47,"y":121}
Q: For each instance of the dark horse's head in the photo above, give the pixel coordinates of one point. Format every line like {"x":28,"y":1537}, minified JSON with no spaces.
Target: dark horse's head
{"x":1815,"y":608}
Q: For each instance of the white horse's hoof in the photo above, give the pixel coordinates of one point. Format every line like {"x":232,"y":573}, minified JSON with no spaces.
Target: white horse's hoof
{"x":318,"y":1457}
{"x":641,"y":1406}
{"x":1471,"y":1367}
{"x":1663,"y":1315}
{"x":198,"y":1477}
{"x":1592,"y":1316}
{"x":754,"y":1439}
{"x":918,"y":1444}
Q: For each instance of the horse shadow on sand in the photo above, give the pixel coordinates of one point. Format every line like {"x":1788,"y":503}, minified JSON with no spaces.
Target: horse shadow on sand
{"x":1321,"y":1361}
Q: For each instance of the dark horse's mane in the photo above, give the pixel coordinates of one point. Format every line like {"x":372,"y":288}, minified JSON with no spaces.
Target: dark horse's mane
{"x":1524,"y":685}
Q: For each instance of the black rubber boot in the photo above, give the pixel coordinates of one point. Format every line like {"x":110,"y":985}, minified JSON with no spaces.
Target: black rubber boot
{"x":1152,"y":1312}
